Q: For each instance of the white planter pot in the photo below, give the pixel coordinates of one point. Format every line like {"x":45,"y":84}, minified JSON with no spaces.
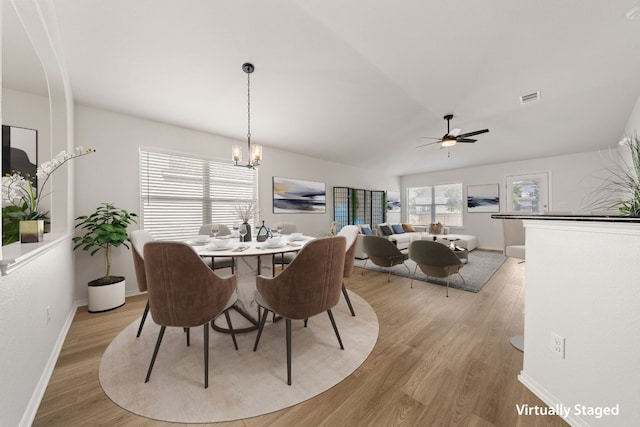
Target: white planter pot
{"x":104,"y":297}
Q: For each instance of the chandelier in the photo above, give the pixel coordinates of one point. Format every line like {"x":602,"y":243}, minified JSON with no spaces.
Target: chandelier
{"x":255,"y":151}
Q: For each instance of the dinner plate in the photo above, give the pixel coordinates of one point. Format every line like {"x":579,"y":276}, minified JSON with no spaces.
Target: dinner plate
{"x":295,"y":239}
{"x":216,"y":249}
{"x":274,"y":246}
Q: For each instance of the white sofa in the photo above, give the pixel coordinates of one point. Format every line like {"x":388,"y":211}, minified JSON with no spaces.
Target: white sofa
{"x":403,"y":240}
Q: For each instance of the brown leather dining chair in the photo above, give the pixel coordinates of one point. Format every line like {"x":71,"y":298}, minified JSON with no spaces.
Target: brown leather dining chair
{"x":434,"y":259}
{"x":309,"y":286}
{"x":350,"y":232}
{"x":185,"y":292}
{"x":138,"y":239}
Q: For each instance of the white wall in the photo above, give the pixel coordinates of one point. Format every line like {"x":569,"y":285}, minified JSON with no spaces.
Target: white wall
{"x":581,"y":283}
{"x":633,"y":124}
{"x":112,"y":175}
{"x":31,"y":340}
{"x":573,"y":179}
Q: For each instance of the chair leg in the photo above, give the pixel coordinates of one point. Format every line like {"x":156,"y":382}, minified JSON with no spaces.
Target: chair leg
{"x":206,"y":355}
{"x":414,"y":275}
{"x":144,"y":317}
{"x":363,"y":266}
{"x":448,"y":286}
{"x":188,"y":332}
{"x":155,"y":352}
{"x":408,"y":269}
{"x":233,"y":334}
{"x":346,"y":297}
{"x":260,"y":328}
{"x":288,"y":322}
{"x":335,"y":328}
{"x":389,"y":276}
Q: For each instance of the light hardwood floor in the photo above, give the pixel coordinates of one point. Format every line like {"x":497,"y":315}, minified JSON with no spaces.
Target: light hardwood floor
{"x":438,"y":362}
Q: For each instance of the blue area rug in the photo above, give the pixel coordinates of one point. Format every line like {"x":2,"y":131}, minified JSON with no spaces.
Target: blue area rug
{"x":481,"y":266}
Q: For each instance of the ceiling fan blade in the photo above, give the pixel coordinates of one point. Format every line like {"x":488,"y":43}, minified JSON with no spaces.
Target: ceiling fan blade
{"x":477,"y":132}
{"x":428,"y":143}
{"x":429,"y":137}
{"x":455,"y":132}
{"x":458,"y":139}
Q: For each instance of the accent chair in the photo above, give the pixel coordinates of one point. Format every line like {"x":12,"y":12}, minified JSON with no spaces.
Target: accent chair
{"x":382,"y":252}
{"x":434,"y":259}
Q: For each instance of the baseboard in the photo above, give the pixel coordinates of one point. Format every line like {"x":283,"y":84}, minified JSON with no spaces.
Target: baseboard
{"x":550,"y":400}
{"x":84,"y":302}
{"x":34,"y":403}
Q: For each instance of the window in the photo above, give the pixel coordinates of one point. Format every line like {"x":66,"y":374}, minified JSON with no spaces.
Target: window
{"x":437,"y":203}
{"x":179,"y":193}
{"x":528,"y":193}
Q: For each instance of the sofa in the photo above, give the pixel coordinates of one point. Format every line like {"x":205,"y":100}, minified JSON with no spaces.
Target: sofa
{"x":403,"y":234}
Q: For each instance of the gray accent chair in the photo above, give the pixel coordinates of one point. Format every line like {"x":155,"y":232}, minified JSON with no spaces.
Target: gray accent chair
{"x":434,"y":259}
{"x":382,"y":252}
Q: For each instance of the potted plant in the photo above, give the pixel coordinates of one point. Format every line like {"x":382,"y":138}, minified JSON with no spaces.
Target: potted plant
{"x":104,"y":229}
{"x":622,"y":187}
{"x":21,"y":200}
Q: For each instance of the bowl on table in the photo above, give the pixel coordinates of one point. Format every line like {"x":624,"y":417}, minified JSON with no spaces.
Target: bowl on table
{"x":220,"y":243}
{"x":296,"y":236}
{"x":202,"y":238}
{"x":273,"y":242}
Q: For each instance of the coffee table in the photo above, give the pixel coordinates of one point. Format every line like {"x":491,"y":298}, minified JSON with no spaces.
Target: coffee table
{"x":462,"y":253}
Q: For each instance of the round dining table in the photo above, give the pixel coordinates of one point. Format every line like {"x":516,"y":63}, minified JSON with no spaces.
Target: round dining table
{"x":250,"y":259}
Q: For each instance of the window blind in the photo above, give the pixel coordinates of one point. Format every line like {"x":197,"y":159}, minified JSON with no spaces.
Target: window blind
{"x":179,"y":193}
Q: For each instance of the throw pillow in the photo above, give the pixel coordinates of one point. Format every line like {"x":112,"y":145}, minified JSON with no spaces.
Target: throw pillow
{"x":365,"y":230}
{"x":386,"y":230}
{"x":408,"y":228}
{"x":397,"y":229}
{"x":435,"y":228}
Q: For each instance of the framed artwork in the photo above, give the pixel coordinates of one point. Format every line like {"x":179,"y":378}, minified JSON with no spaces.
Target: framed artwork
{"x":483,"y":198}
{"x":20,"y":151}
{"x":393,"y":201}
{"x":298,"y":196}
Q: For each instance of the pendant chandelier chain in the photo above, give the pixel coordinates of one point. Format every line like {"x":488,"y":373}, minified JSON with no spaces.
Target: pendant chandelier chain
{"x":254,"y":152}
{"x":249,"y":110}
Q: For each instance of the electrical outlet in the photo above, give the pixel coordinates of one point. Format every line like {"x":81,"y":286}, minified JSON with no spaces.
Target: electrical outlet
{"x":557,"y":344}
{"x":48,"y":314}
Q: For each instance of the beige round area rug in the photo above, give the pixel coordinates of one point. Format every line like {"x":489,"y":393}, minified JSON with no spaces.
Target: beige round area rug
{"x":242,"y":383}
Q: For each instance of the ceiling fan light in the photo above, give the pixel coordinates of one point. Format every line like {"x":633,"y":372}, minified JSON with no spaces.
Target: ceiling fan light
{"x":448,"y":142}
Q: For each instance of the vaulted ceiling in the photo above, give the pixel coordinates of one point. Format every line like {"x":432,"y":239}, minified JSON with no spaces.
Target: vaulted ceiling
{"x":359,"y":82}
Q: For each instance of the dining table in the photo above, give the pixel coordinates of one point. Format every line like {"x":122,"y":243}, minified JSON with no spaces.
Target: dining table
{"x":250,"y":259}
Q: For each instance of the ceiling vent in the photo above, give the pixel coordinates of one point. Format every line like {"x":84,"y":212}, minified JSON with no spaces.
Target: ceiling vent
{"x":529,"y":98}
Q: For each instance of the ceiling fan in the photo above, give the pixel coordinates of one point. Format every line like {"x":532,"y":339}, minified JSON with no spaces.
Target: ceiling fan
{"x":452,"y":137}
